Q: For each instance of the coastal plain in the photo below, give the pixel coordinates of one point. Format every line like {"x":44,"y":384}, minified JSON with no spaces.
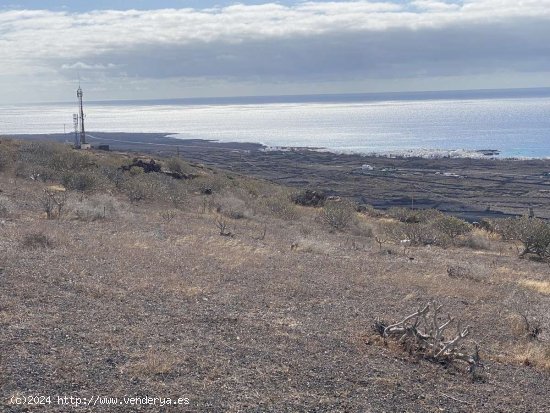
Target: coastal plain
{"x":470,"y":188}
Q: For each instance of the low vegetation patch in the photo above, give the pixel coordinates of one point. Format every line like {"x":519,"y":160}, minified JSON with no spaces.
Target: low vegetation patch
{"x":338,"y":214}
{"x":36,"y":240}
{"x":533,"y":233}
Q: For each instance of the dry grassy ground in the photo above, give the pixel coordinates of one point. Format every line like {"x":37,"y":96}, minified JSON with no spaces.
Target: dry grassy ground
{"x":131,"y":304}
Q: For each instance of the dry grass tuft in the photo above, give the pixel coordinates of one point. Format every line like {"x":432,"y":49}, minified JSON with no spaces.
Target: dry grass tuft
{"x":542,"y":287}
{"x":534,"y":353}
{"x":151,"y":363}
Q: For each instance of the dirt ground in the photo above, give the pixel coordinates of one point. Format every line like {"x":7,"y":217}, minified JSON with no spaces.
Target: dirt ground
{"x":131,"y":305}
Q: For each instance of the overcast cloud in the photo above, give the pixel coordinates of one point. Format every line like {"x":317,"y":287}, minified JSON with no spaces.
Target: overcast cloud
{"x":308,"y":47}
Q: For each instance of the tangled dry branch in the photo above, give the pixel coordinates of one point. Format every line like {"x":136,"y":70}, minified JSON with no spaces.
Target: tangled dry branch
{"x":422,"y":333}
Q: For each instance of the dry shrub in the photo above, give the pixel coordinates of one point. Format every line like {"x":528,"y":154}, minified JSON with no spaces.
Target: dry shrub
{"x":176,"y":193}
{"x":462,"y":272}
{"x":414,"y":216}
{"x":533,"y":353}
{"x":83,"y":181}
{"x":210,"y":184}
{"x":7,"y":155}
{"x":533,"y":233}
{"x":338,"y":214}
{"x":145,"y":186}
{"x":309,"y":197}
{"x":452,"y":227}
{"x":178,"y":166}
{"x":168,"y":215}
{"x":361,"y":228}
{"x":232,"y":206}
{"x":113,"y":174}
{"x":36,"y":240}
{"x":476,"y":240}
{"x":312,"y":246}
{"x":53,"y":201}
{"x":55,"y":156}
{"x":34,"y":172}
{"x":523,"y":326}
{"x":6,"y":207}
{"x":370,"y":211}
{"x":278,"y":204}
{"x":95,"y":207}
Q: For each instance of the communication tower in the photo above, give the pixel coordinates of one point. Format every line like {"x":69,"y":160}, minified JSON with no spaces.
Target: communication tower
{"x":76,"y":132}
{"x":79,"y":95}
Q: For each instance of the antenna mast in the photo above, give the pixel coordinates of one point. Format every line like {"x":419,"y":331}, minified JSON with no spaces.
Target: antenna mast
{"x":79,"y":95}
{"x":76,"y":132}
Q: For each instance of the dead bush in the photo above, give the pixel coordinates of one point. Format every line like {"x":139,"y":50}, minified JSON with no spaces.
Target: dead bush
{"x":53,"y":201}
{"x":168,"y":215}
{"x":422,"y":333}
{"x":223,"y":227}
{"x":36,"y":240}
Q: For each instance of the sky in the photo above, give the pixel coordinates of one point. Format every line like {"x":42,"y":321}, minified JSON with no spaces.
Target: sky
{"x":175,"y":48}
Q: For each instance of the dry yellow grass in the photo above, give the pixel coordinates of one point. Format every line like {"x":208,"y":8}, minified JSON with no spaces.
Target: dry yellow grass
{"x":132,"y":304}
{"x":534,"y":353}
{"x":542,"y":287}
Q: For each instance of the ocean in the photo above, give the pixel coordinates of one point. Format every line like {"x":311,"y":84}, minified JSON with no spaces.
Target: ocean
{"x":514,"y":122}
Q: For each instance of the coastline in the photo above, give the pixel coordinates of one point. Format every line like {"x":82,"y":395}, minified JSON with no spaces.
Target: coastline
{"x":472,"y":188}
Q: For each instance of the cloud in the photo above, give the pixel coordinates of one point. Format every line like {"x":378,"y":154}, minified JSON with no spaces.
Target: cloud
{"x":433,"y":5}
{"x":85,"y":66}
{"x":324,"y":41}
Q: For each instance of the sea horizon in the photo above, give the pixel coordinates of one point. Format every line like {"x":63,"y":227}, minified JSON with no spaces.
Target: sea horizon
{"x":504,"y":93}
{"x":515,"y":122}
